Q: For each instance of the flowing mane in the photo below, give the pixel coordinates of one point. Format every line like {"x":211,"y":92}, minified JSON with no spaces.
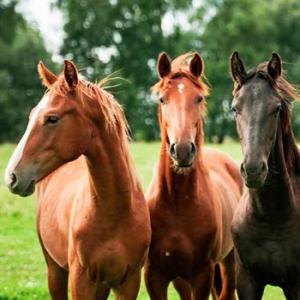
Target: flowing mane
{"x":112,"y":110}
{"x":288,"y":93}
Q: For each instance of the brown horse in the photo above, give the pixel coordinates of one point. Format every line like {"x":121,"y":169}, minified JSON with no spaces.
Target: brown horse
{"x":266,"y":225}
{"x":193,"y":193}
{"x":92,"y":218}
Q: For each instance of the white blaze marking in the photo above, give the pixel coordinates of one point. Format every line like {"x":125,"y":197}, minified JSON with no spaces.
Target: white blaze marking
{"x":180,"y":88}
{"x":17,"y":155}
{"x":167,"y":253}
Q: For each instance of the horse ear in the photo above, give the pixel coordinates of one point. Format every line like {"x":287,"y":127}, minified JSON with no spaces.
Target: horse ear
{"x":163,"y":65}
{"x":70,"y":74}
{"x":275,"y":66}
{"x":48,"y":78}
{"x":196,"y":65}
{"x":237,"y":68}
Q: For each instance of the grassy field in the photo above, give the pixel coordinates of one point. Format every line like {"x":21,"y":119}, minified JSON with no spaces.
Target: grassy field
{"x":22,"y":267}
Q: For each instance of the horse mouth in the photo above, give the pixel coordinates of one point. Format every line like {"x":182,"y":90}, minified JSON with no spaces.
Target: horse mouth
{"x":253,"y":183}
{"x":29,"y":190}
{"x":182,"y":168}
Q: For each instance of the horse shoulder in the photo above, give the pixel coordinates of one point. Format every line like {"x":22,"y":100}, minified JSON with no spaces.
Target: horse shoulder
{"x":57,"y":194}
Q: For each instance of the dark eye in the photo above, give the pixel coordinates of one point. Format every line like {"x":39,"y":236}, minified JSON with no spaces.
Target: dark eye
{"x":161,"y":100}
{"x":50,"y":120}
{"x":199,"y":99}
{"x":233,"y":109}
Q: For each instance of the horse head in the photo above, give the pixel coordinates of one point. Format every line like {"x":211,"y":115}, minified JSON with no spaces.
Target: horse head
{"x":57,"y":132}
{"x":182,"y":106}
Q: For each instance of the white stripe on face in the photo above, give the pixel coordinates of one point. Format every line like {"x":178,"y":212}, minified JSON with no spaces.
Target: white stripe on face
{"x":180,"y":88}
{"x":17,"y":155}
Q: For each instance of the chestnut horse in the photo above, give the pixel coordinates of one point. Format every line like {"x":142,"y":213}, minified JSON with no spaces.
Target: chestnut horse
{"x":266,"y":225}
{"x":92,"y":217}
{"x":193,"y":193}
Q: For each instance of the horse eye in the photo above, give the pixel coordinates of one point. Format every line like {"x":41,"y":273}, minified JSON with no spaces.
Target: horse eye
{"x":233,"y":109}
{"x":161,"y":100}
{"x":51,"y":120}
{"x":199,"y":99}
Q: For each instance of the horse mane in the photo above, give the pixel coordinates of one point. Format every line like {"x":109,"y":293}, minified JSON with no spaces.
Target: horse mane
{"x":288,"y":94}
{"x":112,"y":110}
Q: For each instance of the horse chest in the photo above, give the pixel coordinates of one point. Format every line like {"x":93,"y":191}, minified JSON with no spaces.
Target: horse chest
{"x":271,"y":254}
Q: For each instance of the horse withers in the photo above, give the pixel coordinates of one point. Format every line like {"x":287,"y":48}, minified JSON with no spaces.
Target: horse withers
{"x":92,"y":218}
{"x":193,"y":193}
{"x":266,"y":225}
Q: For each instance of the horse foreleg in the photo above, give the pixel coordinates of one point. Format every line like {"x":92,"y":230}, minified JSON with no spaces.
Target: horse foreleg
{"x":246,"y":288}
{"x":183,"y":288}
{"x":156,"y":284}
{"x":130,"y":288}
{"x":81,"y":285}
{"x":102,"y":292}
{"x":203,"y":282}
{"x":57,"y":279}
{"x":227,"y":270}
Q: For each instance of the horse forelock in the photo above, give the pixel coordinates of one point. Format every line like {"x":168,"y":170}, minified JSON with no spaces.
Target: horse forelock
{"x":180,"y":68}
{"x":111,"y":109}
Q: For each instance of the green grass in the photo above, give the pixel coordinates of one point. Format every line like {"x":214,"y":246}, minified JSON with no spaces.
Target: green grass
{"x":23,"y":272}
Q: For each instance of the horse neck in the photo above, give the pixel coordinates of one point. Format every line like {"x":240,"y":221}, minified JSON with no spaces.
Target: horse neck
{"x":110,"y":176}
{"x":276,"y":197}
{"x":175,"y":184}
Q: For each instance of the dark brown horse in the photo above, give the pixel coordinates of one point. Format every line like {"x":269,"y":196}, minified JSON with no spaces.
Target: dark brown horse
{"x":266,"y":225}
{"x":193,"y":193}
{"x":92,"y":218}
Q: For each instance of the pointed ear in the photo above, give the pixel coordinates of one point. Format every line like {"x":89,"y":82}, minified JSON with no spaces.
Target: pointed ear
{"x":237,"y":68}
{"x":163,"y":65}
{"x":70,"y":74}
{"x":48,"y":78}
{"x":275,"y":66}
{"x":196,"y":65}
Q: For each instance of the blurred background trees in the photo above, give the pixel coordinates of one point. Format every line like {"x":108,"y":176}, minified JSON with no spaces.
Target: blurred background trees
{"x":127,"y":36}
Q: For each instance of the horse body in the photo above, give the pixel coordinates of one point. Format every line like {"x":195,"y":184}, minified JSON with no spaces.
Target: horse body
{"x":191,"y":207}
{"x":92,"y":218}
{"x":266,"y":225}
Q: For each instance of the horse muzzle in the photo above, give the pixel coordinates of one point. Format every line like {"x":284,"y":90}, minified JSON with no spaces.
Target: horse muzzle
{"x":183,"y":155}
{"x":255,"y":174}
{"x":17,"y":185}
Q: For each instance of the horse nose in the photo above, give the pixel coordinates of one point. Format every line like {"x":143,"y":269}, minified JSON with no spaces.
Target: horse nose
{"x":246,"y":169}
{"x":172,"y":150}
{"x":11,"y":180}
{"x":254,"y":173}
{"x":183,"y":152}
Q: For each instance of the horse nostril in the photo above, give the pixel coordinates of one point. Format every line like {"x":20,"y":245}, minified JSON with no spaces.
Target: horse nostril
{"x":172,"y":150}
{"x":193,"y":149}
{"x":13,"y":178}
{"x":242,"y":169}
{"x":264,"y":167}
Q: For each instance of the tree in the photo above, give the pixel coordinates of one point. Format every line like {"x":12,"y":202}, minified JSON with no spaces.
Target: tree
{"x":254,"y":28}
{"x":124,"y":36}
{"x":21,"y":48}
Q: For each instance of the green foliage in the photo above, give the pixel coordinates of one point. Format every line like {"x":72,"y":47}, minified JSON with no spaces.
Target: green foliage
{"x":21,"y":48}
{"x":131,"y":32}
